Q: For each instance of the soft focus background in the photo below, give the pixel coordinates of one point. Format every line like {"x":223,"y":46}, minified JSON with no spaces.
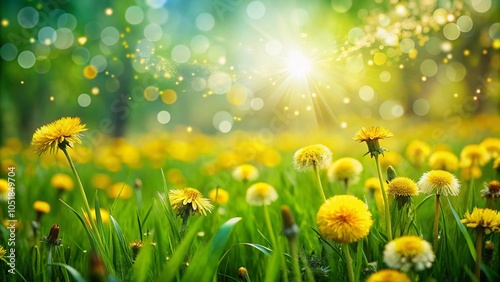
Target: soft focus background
{"x":220,"y":66}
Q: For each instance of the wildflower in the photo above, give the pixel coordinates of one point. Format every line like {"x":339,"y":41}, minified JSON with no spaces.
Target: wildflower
{"x":371,"y":135}
{"x":491,"y":190}
{"x":471,"y":172}
{"x":4,"y":189}
{"x":246,"y":172}
{"x":346,"y":170}
{"x":189,"y":201}
{"x":403,"y":188}
{"x":344,"y":219}
{"x":473,"y":155}
{"x":175,"y":176}
{"x":496,"y":165}
{"x":121,"y":190}
{"x":2,"y":252}
{"x":219,"y":196}
{"x":492,"y":146}
{"x":443,"y":160}
{"x":290,"y":228}
{"x":104,"y":216}
{"x":409,"y":253}
{"x":260,"y":194}
{"x":307,"y":158}
{"x":62,"y":182}
{"x":136,"y":246}
{"x":100,"y":181}
{"x":53,"y":238}
{"x":41,"y":207}
{"x":58,"y":134}
{"x":390,"y":159}
{"x":388,"y":275}
{"x":486,"y":219}
{"x":314,"y":157}
{"x":243,"y":274}
{"x":417,"y":152}
{"x":442,"y":181}
{"x":269,"y":157}
{"x":372,"y":184}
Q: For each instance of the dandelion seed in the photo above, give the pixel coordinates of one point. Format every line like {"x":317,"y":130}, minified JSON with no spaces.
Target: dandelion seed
{"x":409,"y":253}
{"x":260,"y":194}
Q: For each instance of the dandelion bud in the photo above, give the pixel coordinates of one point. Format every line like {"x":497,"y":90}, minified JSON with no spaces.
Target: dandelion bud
{"x":243,"y":274}
{"x":136,"y":246}
{"x":53,"y":237}
{"x":138,"y":183}
{"x":391,"y":173}
{"x":290,"y":229}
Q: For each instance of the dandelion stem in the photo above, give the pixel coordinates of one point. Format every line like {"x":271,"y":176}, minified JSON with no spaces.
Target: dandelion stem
{"x":386,"y":202}
{"x":84,"y":196}
{"x":295,"y":259}
{"x":436,"y":224}
{"x":349,"y":262}
{"x":184,"y":224}
{"x":479,"y":249}
{"x":316,"y":170}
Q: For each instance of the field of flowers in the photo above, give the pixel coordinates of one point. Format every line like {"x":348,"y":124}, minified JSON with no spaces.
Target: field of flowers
{"x":188,"y":206}
{"x":232,"y":140}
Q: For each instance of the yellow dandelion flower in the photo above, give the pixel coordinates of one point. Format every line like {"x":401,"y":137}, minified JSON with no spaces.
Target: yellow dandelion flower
{"x":260,"y":194}
{"x":417,"y":152}
{"x":100,"y":181}
{"x":496,"y":164}
{"x":219,"y":196}
{"x":312,"y":157}
{"x":189,"y":201}
{"x":492,"y":146}
{"x":471,"y":172}
{"x":62,"y":181}
{"x":245,"y":172}
{"x":345,"y":169}
{"x":371,"y":135}
{"x":487,"y":219}
{"x":402,"y":186}
{"x":121,"y":190}
{"x":41,"y":207}
{"x":104,"y":216}
{"x":58,"y":134}
{"x":442,"y":181}
{"x":473,"y":155}
{"x":373,"y":183}
{"x":2,"y":252}
{"x":4,"y":186}
{"x":443,"y":160}
{"x":409,"y":252}
{"x":344,"y":219}
{"x":390,"y":159}
{"x":491,"y":189}
{"x":388,"y":275}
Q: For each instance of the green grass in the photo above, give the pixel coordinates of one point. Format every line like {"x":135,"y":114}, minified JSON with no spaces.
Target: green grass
{"x":234,"y":235}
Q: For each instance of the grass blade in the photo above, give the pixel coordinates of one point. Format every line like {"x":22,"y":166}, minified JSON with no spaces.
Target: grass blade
{"x":205,"y":265}
{"x":464,"y":232}
{"x":74,"y":273}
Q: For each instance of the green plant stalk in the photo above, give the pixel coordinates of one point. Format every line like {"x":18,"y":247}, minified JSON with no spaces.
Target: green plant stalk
{"x":349,"y":262}
{"x":184,"y":225}
{"x":49,"y":262}
{"x":479,"y":250}
{"x":295,"y":259}
{"x":386,"y":202}
{"x":436,"y":224}
{"x":84,"y":196}
{"x":316,"y":171}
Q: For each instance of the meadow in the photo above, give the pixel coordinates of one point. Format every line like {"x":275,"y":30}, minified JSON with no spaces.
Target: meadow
{"x":142,"y":234}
